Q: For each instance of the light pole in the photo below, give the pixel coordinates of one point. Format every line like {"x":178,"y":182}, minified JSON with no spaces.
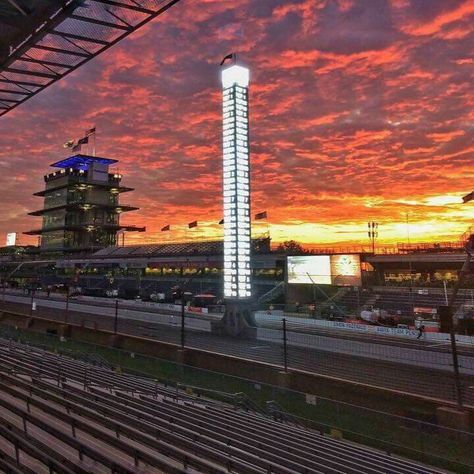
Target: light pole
{"x":116,"y":316}
{"x":449,"y":316}
{"x":182,"y":320}
{"x":373,"y":232}
{"x":450,"y":307}
{"x":32,"y":302}
{"x":285,"y":346}
{"x":66,"y":316}
{"x":180,"y":293}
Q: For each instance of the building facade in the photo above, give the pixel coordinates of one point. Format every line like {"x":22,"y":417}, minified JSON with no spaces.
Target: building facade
{"x":81,"y":210}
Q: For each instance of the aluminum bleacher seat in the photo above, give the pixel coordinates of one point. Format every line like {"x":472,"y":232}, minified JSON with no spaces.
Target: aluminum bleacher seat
{"x":66,"y":415}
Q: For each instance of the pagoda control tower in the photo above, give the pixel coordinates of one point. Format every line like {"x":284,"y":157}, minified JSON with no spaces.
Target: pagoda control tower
{"x":81,"y":209}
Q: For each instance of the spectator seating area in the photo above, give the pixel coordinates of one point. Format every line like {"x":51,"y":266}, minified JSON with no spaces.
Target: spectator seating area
{"x":400,"y":300}
{"x":212,"y":247}
{"x":64,"y":415}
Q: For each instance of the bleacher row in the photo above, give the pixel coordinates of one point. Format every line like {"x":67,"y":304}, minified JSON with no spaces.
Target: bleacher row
{"x":149,"y":250}
{"x":400,"y":300}
{"x":210,"y":247}
{"x":64,"y":415}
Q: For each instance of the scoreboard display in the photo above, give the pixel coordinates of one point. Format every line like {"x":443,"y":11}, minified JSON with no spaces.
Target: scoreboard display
{"x":340,"y":270}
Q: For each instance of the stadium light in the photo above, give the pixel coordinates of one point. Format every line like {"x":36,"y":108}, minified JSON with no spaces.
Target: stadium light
{"x":236,"y":182}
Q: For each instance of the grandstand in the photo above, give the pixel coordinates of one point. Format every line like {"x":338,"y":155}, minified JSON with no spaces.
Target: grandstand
{"x":65,"y":415}
{"x":211,"y":247}
{"x":397,"y":283}
{"x":402,"y":301}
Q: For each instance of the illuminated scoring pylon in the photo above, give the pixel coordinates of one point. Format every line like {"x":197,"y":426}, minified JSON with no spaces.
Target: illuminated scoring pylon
{"x":236,"y":180}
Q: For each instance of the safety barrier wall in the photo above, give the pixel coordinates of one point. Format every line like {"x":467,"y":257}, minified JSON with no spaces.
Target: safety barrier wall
{"x":262,"y":317}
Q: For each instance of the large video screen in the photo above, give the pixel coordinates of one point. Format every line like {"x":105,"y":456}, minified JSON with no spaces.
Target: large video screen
{"x":341,"y":270}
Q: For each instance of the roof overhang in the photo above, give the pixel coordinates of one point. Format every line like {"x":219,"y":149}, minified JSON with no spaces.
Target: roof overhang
{"x":82,"y":162}
{"x":44,"y":40}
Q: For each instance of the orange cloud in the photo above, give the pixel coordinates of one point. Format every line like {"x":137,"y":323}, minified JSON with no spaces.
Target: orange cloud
{"x":355,"y":115}
{"x":431,"y":27}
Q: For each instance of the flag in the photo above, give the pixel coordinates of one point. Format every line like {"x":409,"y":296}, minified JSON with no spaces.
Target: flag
{"x":468,"y":197}
{"x":221,"y":222}
{"x":165,"y":228}
{"x":229,"y":56}
{"x":76,"y":147}
{"x":261,"y":215}
{"x":192,"y":224}
{"x":90,"y":131}
{"x":69,"y":144}
{"x":83,"y":141}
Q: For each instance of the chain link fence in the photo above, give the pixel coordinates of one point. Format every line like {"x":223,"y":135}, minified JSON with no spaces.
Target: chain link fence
{"x":408,"y":365}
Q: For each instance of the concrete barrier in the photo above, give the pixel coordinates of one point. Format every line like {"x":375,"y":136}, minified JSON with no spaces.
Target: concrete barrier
{"x":262,"y":317}
{"x":391,"y":353}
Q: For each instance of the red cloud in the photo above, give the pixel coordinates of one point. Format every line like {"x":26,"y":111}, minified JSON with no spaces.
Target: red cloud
{"x":361,"y":127}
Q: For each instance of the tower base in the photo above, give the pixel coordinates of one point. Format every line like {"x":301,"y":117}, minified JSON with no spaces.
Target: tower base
{"x":237,"y":321}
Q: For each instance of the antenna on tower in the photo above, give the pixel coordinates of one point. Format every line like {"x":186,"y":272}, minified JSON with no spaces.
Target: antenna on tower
{"x":231,"y":56}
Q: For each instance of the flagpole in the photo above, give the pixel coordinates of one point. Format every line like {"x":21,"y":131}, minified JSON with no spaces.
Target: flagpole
{"x":93,"y":146}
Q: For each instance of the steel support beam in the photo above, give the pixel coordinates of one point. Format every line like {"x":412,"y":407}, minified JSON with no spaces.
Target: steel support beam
{"x":135,"y":8}
{"x":44,"y":62}
{"x":7,"y":91}
{"x":21,"y":9}
{"x":48,"y":37}
{"x":62,"y":51}
{"x":95,"y":21}
{"x":9,"y":100}
{"x":20,"y":83}
{"x":78,"y":37}
{"x":31,"y":73}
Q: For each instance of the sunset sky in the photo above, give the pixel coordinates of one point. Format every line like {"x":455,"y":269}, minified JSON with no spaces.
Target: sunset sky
{"x":361,"y":110}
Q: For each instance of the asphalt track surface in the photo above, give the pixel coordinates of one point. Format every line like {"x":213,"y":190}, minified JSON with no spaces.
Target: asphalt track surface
{"x":402,"y":377}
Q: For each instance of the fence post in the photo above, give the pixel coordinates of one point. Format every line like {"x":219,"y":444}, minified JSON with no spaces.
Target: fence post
{"x":182,"y":321}
{"x":32,"y":302}
{"x":285,"y":347}
{"x":116,"y":316}
{"x":66,"y":316}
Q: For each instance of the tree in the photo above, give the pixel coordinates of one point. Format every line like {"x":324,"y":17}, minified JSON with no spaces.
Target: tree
{"x":290,"y":247}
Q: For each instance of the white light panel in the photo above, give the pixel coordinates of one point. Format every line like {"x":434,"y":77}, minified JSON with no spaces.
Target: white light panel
{"x":236,"y":179}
